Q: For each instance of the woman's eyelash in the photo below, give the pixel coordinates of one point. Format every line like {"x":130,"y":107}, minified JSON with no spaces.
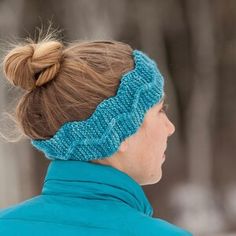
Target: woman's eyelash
{"x":164,"y":108}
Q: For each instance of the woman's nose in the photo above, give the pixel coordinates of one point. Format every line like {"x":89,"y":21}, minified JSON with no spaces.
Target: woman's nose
{"x":171,"y":127}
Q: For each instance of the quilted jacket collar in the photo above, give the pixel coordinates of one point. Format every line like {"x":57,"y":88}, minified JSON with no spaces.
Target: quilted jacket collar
{"x":94,"y":181}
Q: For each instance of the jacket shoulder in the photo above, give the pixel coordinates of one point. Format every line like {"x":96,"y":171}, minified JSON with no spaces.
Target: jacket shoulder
{"x":146,"y":225}
{"x":167,"y":228}
{"x":14,"y":209}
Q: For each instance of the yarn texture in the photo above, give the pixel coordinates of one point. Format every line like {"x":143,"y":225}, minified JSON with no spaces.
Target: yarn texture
{"x":114,"y":119}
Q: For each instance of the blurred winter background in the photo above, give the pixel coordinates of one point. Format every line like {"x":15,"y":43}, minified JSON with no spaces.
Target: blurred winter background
{"x":194,"y":44}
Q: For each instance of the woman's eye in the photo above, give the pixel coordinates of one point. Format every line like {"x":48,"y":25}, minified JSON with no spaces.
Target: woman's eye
{"x":164,"y":108}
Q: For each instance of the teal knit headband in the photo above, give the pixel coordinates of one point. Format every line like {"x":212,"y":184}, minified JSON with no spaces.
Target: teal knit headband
{"x":114,"y":119}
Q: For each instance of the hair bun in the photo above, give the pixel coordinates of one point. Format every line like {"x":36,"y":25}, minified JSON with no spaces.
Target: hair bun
{"x":33,"y":64}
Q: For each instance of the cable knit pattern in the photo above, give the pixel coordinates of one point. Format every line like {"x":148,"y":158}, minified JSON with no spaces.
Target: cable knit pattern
{"x":114,"y":119}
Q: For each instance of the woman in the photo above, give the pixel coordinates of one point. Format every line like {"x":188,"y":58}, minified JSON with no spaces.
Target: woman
{"x":96,"y":110}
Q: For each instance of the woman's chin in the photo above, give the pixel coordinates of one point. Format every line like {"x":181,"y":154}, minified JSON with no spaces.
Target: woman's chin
{"x":155,"y":178}
{"x":159,"y":177}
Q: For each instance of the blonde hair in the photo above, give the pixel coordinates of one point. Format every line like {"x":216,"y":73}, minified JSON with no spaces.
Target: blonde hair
{"x":61,"y":82}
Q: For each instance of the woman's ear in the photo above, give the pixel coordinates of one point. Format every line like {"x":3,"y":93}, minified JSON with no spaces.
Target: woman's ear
{"x":124,"y":146}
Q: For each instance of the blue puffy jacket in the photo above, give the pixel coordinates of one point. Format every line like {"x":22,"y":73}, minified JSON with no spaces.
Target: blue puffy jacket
{"x":84,"y":198}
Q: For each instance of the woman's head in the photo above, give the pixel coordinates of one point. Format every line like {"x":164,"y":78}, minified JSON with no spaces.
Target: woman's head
{"x":66,"y":83}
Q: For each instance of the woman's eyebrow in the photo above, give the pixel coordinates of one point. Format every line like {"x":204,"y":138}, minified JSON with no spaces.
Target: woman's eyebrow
{"x":160,"y":105}
{"x":163,"y":99}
